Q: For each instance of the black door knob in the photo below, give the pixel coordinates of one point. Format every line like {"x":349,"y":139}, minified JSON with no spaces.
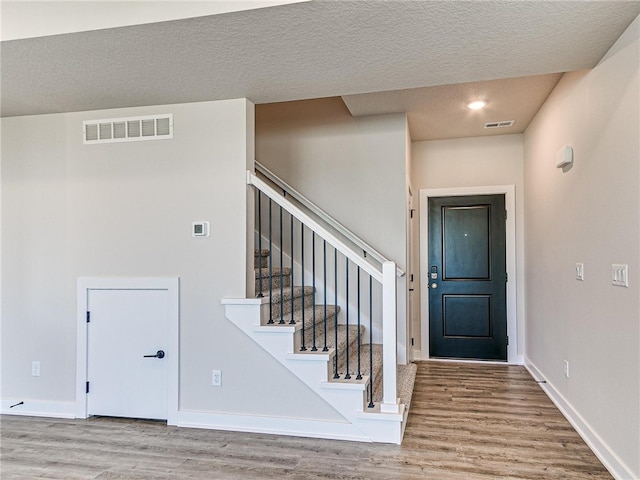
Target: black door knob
{"x":159,"y":354}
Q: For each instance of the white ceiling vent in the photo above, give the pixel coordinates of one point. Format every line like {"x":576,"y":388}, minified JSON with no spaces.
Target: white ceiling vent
{"x":132,"y":129}
{"x":503,"y":124}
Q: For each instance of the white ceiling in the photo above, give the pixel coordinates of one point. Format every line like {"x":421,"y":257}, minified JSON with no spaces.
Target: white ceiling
{"x":37,"y":18}
{"x":321,"y":49}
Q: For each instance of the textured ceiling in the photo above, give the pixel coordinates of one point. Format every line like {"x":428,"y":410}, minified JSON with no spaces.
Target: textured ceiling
{"x":307,"y":50}
{"x":441,"y":112}
{"x":37,"y":18}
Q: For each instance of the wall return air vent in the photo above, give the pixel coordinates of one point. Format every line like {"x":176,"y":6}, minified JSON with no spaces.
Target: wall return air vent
{"x":132,"y":129}
{"x":502,"y":124}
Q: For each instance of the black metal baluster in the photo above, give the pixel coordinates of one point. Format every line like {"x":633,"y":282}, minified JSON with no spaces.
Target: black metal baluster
{"x":260,"y":294}
{"x":271,"y":264}
{"x":370,"y":344}
{"x":292,"y":322}
{"x":359,"y":375}
{"x":281,"y":322}
{"x":303,"y":348}
{"x":324,"y":267}
{"x":314,"y":348}
{"x":347,"y":375}
{"x":335,"y":311}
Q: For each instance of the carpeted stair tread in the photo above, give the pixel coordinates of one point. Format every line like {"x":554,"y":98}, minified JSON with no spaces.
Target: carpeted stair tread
{"x":286,"y":294}
{"x":271,"y":278}
{"x":405,"y":379}
{"x":342,"y":337}
{"x":353,"y":359}
{"x":286,"y":271}
{"x":301,"y":295}
{"x":261,"y":258}
{"x":308,"y":315}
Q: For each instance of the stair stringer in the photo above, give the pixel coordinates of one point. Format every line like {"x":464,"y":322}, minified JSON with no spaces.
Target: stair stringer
{"x":347,"y":398}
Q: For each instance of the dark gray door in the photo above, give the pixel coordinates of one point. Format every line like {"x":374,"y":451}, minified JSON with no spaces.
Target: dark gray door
{"x":467,"y":277}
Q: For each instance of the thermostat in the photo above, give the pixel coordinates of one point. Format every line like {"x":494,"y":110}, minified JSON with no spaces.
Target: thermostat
{"x":200,"y":229}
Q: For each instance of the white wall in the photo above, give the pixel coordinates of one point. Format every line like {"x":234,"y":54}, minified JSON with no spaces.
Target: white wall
{"x":125,"y":209}
{"x":472,"y":162}
{"x":589,"y":214}
{"x":353,"y":168}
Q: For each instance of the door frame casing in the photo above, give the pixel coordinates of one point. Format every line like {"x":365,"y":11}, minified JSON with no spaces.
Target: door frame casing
{"x":172,"y":286}
{"x":509,"y":192}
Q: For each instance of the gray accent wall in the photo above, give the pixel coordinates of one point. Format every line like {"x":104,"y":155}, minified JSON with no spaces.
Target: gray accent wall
{"x":125,"y":210}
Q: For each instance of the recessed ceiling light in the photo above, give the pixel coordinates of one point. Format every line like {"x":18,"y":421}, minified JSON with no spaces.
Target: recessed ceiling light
{"x":477,"y":105}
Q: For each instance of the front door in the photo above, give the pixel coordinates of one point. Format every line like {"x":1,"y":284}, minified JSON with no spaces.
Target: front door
{"x":127,"y":353}
{"x":467,"y":277}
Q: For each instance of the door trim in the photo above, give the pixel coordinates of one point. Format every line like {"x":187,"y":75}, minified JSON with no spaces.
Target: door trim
{"x":171,"y":285}
{"x":509,"y":192}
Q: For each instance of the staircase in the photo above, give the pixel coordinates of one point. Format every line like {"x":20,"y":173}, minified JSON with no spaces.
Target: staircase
{"x":321,"y":331}
{"x":346,"y":335}
{"x":325,"y":308}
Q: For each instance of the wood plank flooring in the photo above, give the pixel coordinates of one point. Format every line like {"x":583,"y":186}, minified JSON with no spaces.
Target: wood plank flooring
{"x":466,"y":422}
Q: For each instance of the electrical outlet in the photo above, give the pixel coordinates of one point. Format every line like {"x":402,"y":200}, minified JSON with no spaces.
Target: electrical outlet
{"x":216,"y":378}
{"x":35,"y":369}
{"x":566,"y":368}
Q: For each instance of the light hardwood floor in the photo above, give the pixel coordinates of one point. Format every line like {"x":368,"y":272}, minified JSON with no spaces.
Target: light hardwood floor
{"x":466,"y":422}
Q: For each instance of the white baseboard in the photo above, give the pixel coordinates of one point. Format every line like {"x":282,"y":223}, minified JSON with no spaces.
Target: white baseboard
{"x":609,"y":459}
{"x":37,"y":408}
{"x":295,"y":427}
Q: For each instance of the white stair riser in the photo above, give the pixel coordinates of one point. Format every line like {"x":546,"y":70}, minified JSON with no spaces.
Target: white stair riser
{"x":276,"y":343}
{"x":346,"y":398}
{"x":312,"y":371}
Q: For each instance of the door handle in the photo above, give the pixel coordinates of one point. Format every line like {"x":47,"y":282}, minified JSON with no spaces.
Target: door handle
{"x":158,"y":354}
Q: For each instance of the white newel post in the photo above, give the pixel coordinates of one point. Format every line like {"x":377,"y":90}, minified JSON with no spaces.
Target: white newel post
{"x":389,"y":340}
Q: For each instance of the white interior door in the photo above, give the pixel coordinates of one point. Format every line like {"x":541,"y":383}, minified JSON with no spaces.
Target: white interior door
{"x":125,"y":325}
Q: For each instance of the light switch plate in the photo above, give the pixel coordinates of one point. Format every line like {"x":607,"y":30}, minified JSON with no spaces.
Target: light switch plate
{"x":579,"y":271}
{"x":620,"y":275}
